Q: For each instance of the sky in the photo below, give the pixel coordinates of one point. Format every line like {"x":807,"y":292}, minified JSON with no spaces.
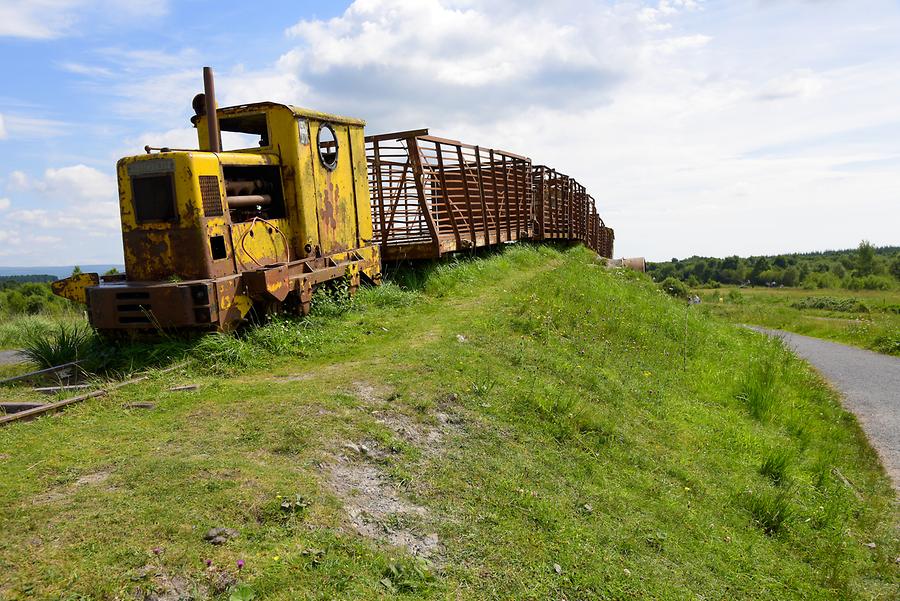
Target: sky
{"x":700,"y":127}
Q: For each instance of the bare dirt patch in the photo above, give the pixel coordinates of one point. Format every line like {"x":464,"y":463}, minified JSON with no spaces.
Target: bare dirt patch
{"x":65,"y":493}
{"x":374,"y":504}
{"x":427,"y":438}
{"x":371,"y":394}
{"x":378,"y":511}
{"x":160,"y":585}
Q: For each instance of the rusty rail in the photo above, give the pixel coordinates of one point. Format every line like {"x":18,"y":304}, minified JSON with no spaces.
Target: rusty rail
{"x":52,"y":407}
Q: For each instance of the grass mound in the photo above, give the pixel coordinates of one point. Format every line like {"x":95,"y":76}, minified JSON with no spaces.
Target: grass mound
{"x":528,"y":426}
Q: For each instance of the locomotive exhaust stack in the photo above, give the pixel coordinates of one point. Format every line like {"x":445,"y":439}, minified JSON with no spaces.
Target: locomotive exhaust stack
{"x":211,"y":234}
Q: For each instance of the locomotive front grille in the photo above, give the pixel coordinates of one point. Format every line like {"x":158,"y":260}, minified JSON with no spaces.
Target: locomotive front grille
{"x":145,"y":308}
{"x":211,"y":196}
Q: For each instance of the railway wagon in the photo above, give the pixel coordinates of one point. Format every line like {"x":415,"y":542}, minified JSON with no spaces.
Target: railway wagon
{"x":432,"y":196}
{"x":563,"y":210}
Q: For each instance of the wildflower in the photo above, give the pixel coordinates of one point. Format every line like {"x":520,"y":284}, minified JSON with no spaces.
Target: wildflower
{"x":277,"y":558}
{"x":208,"y":562}
{"x":157,"y":550}
{"x":240,"y":564}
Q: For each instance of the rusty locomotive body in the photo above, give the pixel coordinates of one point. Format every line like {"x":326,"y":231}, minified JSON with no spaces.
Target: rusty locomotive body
{"x":209,"y":234}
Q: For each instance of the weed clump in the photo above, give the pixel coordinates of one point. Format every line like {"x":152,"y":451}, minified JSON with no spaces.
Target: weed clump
{"x":62,"y":344}
{"x":757,"y":390}
{"x":775,"y":466}
{"x":407,"y":576}
{"x":770,"y":511}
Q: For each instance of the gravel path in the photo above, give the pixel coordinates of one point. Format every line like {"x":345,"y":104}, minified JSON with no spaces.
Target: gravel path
{"x":870,"y":383}
{"x":10,"y":357}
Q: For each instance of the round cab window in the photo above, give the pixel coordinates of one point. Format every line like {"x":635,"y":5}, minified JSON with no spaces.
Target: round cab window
{"x":328,"y":146}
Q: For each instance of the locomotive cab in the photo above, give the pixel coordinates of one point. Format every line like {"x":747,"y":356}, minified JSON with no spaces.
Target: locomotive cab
{"x":208,"y":234}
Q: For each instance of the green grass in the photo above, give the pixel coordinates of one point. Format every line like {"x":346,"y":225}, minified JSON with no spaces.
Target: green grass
{"x":865,"y":318}
{"x":565,"y":431}
{"x":15,"y":330}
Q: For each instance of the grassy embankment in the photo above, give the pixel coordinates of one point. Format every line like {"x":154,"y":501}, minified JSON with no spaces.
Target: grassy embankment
{"x":864,"y":318}
{"x":564,"y":431}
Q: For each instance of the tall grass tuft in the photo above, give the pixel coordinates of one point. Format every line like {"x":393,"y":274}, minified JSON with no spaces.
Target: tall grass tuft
{"x":775,"y":466}
{"x":770,"y":511}
{"x":60,"y":344}
{"x":757,"y":390}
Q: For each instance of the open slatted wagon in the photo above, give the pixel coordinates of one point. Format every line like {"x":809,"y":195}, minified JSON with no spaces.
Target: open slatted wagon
{"x":432,"y":196}
{"x":563,"y":210}
{"x":607,"y":238}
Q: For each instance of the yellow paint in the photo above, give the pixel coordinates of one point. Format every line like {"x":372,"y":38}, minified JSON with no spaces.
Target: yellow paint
{"x":75,"y":287}
{"x":243,"y":304}
{"x":258,"y":244}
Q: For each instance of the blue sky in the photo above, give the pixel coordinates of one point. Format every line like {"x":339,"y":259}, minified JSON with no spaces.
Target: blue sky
{"x":746,"y":127}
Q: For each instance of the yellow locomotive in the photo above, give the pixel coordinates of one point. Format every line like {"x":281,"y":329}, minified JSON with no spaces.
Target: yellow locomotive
{"x":209,"y":234}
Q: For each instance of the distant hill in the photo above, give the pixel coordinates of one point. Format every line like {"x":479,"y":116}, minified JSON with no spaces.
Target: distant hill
{"x":59,"y":271}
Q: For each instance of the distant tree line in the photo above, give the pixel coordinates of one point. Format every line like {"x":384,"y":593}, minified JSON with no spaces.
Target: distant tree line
{"x":10,"y":281}
{"x":31,"y":295}
{"x":865,"y":267}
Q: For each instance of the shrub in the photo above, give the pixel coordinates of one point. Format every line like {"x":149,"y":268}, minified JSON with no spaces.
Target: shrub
{"x":830,"y":303}
{"x":674,"y":287}
{"x":821,"y":280}
{"x":735,"y":297}
{"x":888,"y":343}
{"x":869,"y":282}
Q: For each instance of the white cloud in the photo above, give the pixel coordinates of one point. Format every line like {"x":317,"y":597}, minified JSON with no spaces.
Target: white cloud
{"x":87,"y":70}
{"x":21,"y":126}
{"x":182,"y":137}
{"x":69,"y":219}
{"x":18,"y":181}
{"x":73,"y":197}
{"x":143,"y":59}
{"x":4,"y":204}
{"x":78,"y":182}
{"x":47,"y":19}
{"x":9,"y":237}
{"x":36,"y":18}
{"x":474,"y":58}
{"x":2,"y":127}
{"x":802,"y":83}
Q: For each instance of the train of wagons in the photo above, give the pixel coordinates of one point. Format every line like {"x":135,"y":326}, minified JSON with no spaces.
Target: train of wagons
{"x":210,"y":235}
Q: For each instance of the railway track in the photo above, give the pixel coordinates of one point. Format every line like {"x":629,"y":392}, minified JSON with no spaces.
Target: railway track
{"x":16,"y":411}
